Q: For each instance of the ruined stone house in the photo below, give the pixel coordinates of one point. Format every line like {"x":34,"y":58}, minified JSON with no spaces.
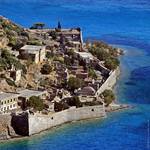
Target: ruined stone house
{"x":35,"y":53}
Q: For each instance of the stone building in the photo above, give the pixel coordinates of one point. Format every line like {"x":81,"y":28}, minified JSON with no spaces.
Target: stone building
{"x":8,"y":102}
{"x":29,"y":93}
{"x":26,"y":94}
{"x":87,"y":91}
{"x":35,"y":53}
{"x":86,"y":94}
{"x":72,"y":38}
{"x":84,"y":56}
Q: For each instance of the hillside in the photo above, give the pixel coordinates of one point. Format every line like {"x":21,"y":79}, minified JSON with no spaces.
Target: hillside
{"x":11,"y":34}
{"x":12,"y":38}
{"x":61,"y":55}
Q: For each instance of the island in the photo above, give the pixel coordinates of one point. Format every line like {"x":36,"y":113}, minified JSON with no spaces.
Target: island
{"x":49,"y":76}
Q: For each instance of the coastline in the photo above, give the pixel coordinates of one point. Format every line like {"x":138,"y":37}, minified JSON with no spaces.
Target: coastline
{"x":28,"y":123}
{"x":108,"y":110}
{"x":112,"y":108}
{"x":123,"y":24}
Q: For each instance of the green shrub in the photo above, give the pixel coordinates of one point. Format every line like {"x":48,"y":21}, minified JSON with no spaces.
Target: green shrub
{"x":74,"y":83}
{"x":108,"y":96}
{"x":105,"y":53}
{"x":100,"y":53}
{"x":74,"y":101}
{"x":46,"y":69}
{"x":49,"y":55}
{"x":12,"y":41}
{"x":8,"y":60}
{"x":58,"y":106}
{"x":70,"y":52}
{"x":60,"y":59}
{"x":91,"y":73}
{"x":36,"y":103}
{"x":112,"y":63}
{"x":3,"y":64}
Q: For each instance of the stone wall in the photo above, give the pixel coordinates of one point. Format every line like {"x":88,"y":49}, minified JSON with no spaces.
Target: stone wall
{"x":110,"y":82}
{"x":38,"y":123}
{"x":5,"y":122}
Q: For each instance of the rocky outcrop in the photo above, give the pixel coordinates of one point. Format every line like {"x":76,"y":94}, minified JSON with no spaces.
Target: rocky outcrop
{"x":6,"y":130}
{"x":3,"y":135}
{"x":4,"y":122}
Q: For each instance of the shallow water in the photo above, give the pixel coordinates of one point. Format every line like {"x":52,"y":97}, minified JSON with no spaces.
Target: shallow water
{"x":119,"y":22}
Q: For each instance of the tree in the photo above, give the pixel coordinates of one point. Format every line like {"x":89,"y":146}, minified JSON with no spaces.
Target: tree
{"x":59,"y":106}
{"x":106,"y":53}
{"x":36,"y":103}
{"x":38,"y":25}
{"x":8,"y":60}
{"x":46,"y":69}
{"x":74,"y":101}
{"x":112,"y":63}
{"x":108,"y":96}
{"x":74,"y":83}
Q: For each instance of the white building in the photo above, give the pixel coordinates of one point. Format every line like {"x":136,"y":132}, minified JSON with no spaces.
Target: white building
{"x":8,"y":102}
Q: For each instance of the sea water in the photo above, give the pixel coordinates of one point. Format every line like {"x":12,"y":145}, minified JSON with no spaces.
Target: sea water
{"x":122,"y":23}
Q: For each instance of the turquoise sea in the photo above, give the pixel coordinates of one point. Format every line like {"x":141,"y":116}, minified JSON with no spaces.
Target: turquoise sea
{"x":123,"y":23}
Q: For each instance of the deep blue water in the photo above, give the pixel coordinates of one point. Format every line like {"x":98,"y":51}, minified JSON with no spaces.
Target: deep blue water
{"x":125,"y":23}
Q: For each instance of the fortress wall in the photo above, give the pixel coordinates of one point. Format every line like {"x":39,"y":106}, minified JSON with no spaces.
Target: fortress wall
{"x":38,"y":123}
{"x":110,"y":82}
